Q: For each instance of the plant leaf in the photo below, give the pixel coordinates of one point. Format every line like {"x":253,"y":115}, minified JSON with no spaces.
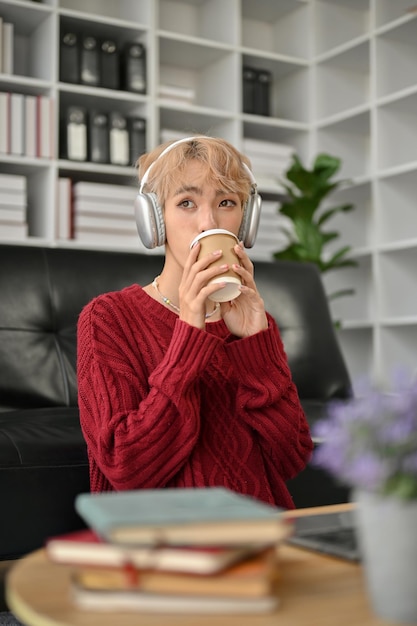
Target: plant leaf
{"x":326,"y":215}
{"x":340,"y":293}
{"x":337,"y":256}
{"x":325,"y":165}
{"x":329,"y":236}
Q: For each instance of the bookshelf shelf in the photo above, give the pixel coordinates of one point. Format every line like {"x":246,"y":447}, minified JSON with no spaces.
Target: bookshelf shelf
{"x":347,"y":77}
{"x":390,"y":14}
{"x":124,"y":10}
{"x":341,"y":22}
{"x":343,"y":81}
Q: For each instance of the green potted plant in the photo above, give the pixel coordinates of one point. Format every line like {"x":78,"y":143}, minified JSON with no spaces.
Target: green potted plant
{"x":307,"y":237}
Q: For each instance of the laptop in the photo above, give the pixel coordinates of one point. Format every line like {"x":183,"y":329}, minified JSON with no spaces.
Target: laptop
{"x":331,"y":533}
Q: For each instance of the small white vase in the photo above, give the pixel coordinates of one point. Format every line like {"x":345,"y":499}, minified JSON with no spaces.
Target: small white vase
{"x":387,"y":532}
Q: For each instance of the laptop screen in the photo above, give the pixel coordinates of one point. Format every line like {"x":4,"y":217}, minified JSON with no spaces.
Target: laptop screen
{"x":332,"y":533}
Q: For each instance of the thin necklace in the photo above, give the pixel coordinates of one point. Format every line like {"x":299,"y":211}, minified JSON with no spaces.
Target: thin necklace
{"x":174,"y":306}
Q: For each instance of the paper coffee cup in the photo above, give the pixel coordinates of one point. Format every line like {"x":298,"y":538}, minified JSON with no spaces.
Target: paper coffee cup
{"x":220,"y":239}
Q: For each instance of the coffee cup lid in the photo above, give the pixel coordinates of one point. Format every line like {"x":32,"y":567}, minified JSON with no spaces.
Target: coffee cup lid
{"x":213,"y":231}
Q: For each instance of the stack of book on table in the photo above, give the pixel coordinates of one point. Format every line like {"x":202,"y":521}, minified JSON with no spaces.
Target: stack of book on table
{"x":202,"y":550}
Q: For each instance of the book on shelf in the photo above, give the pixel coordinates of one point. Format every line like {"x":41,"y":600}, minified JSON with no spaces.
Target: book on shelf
{"x":89,"y":61}
{"x":263,"y":92}
{"x":85,"y":547}
{"x":268,"y":162}
{"x":15,"y":183}
{"x":194,"y":516}
{"x":133,"y":67}
{"x":112,"y":208}
{"x":252,"y":577}
{"x":136,"y":127}
{"x":31,"y":139}
{"x":4,"y":123}
{"x":1,"y":44}
{"x":14,"y":215}
{"x":118,"y":139}
{"x":270,"y":167}
{"x":98,"y":137}
{"x":69,"y":57}
{"x":7,"y":48}
{"x":74,"y":134}
{"x":176,"y":92}
{"x":13,"y":198}
{"x":17,"y":123}
{"x":265,"y":148}
{"x":13,"y":231}
{"x":114,"y":223}
{"x":105,"y":192}
{"x":270,"y":236}
{"x":44,"y":127}
{"x":109,"y":64}
{"x":109,"y":239}
{"x":249,"y":89}
{"x":64,"y":208}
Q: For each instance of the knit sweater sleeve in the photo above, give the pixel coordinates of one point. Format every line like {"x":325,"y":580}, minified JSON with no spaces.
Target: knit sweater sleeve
{"x":267,"y":400}
{"x":130,"y":420}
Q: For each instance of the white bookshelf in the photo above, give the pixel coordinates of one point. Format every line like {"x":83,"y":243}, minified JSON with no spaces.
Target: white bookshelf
{"x":344,"y":81}
{"x":365,"y":111}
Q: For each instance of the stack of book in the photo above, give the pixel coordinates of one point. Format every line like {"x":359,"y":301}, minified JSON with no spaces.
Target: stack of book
{"x":274,"y":232}
{"x":177,"y":93}
{"x":13,"y":207}
{"x":97,"y":213}
{"x":202,"y":550}
{"x":270,"y":161}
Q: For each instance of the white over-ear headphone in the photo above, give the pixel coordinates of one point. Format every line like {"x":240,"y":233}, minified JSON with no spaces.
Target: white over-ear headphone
{"x":149,"y":215}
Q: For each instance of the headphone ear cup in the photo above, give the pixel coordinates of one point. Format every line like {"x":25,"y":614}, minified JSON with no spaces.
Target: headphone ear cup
{"x":149,"y":220}
{"x":250,"y":220}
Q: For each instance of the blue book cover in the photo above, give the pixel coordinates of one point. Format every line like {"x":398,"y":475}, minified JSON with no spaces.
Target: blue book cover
{"x":194,"y":516}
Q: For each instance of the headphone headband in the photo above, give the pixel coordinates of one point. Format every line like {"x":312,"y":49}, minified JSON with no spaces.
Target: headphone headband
{"x":176,"y":143}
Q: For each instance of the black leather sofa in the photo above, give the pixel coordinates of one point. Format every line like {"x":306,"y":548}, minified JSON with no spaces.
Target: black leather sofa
{"x":43,"y":462}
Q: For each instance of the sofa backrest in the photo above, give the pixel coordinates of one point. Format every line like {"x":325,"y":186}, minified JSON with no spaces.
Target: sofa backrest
{"x":42,"y":291}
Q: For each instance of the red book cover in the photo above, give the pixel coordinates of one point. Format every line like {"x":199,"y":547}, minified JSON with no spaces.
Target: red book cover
{"x":85,"y":547}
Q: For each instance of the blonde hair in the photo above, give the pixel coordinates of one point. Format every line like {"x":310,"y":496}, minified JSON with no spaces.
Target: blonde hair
{"x":223,"y":162}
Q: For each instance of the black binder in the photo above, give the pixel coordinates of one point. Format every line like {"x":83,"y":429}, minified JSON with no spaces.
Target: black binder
{"x":119,"y":139}
{"x":98,"y":137}
{"x":263,"y":92}
{"x":69,"y":58}
{"x":90,"y":68}
{"x":109,"y":64}
{"x":74,"y":134}
{"x":249,"y":85}
{"x":137,"y":137}
{"x":133,"y":67}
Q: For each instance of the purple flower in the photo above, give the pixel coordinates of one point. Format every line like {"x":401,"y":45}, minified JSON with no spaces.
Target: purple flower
{"x":371,"y":441}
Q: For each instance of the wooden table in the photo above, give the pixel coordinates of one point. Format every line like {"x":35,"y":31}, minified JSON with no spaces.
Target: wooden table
{"x":314,"y":590}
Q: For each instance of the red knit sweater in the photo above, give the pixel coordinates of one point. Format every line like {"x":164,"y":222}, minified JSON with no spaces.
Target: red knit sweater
{"x":165,"y":404}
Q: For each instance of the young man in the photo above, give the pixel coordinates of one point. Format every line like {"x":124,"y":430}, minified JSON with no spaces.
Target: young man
{"x":174,"y":389}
